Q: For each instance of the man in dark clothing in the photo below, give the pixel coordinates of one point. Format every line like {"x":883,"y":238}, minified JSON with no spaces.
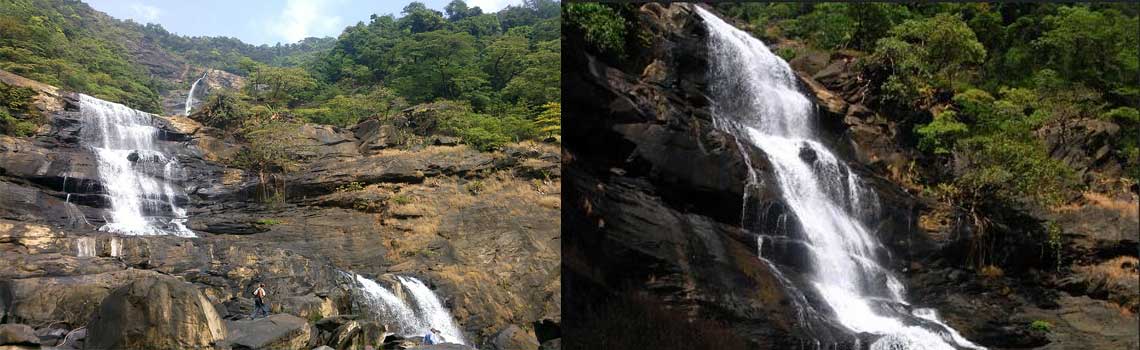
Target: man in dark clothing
{"x":259,"y":307}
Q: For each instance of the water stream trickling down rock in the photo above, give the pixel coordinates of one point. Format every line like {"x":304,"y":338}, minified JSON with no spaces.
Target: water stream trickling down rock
{"x":190,"y":100}
{"x":757,"y":98}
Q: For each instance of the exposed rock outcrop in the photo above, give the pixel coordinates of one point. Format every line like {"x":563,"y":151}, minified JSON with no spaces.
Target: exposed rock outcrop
{"x":281,"y":331}
{"x":156,"y":312}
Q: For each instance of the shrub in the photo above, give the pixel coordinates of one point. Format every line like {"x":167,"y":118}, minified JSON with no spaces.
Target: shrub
{"x":940,"y":134}
{"x":486,"y":132}
{"x":401,"y":199}
{"x":350,"y":187}
{"x":475,"y":187}
{"x":224,"y":110}
{"x":549,"y":122}
{"x":267,"y":222}
{"x":602,"y":26}
{"x":18,"y":115}
{"x":1041,"y":326}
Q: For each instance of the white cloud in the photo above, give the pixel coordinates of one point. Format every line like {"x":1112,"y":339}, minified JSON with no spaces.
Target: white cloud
{"x":145,"y":13}
{"x":492,"y":5}
{"x":305,"y":18}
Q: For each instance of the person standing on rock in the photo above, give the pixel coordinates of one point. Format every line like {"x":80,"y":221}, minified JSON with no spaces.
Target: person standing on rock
{"x":259,"y":307}
{"x":433,"y":337}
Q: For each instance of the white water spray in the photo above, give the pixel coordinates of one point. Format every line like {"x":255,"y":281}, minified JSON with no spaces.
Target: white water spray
{"x":757,"y":98}
{"x":428,"y":312}
{"x":133,"y":169}
{"x":431,"y":310}
{"x":85,"y":247}
{"x":190,"y":100}
{"x":116,"y":247}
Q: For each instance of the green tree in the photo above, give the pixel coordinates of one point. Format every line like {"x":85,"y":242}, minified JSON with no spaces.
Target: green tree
{"x":1097,"y":48}
{"x":601,"y":26}
{"x":281,"y":86}
{"x":504,"y":57}
{"x":549,"y":122}
{"x":541,"y":81}
{"x":924,"y":56}
{"x":419,"y":19}
{"x":457,"y":10}
{"x":438,"y":65}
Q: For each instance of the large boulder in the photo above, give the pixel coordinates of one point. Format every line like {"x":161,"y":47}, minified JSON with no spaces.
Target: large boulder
{"x":67,"y":300}
{"x":373,"y":135}
{"x":158,"y":312}
{"x":423,"y":119}
{"x":280,"y":331}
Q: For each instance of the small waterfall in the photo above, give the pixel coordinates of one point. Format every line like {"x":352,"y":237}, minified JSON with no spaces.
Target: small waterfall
{"x":431,"y":310}
{"x":388,"y":306}
{"x":404,"y":319}
{"x":756,"y":97}
{"x":116,"y":247}
{"x":85,"y":247}
{"x":134,"y":170}
{"x":190,"y":100}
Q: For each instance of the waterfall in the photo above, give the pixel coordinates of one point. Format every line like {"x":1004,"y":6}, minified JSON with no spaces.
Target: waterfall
{"x":757,"y":98}
{"x":134,"y":170}
{"x":190,"y":100}
{"x":388,"y":306}
{"x":403,"y":319}
{"x":431,"y":310}
{"x":116,"y":247}
{"x":85,"y":247}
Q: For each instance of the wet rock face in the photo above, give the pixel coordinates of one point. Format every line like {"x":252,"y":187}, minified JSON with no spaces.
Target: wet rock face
{"x":156,"y":312}
{"x":654,"y":188}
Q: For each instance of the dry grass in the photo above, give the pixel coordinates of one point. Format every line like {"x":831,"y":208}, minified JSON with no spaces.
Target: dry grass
{"x":1116,"y":279}
{"x":1126,"y":208}
{"x":539,"y":146}
{"x":1121,"y":268}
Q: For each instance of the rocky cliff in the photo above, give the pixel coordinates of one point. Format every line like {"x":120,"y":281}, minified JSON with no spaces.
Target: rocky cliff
{"x":658,"y":215}
{"x":480,"y":229}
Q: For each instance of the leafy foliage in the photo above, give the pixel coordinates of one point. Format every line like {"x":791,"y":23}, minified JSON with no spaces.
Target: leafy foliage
{"x":549,"y":122}
{"x":601,"y":25}
{"x":18,"y":117}
{"x":486,"y":131}
{"x":926,"y":55}
{"x":940,"y":135}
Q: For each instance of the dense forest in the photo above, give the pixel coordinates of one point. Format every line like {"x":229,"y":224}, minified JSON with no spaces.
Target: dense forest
{"x":497,"y":72}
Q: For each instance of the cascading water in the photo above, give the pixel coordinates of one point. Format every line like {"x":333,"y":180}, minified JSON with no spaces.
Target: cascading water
{"x":190,"y":100}
{"x":135,"y":172}
{"x":431,"y":310}
{"x":85,"y":247}
{"x":757,"y":98}
{"x":427,"y":314}
{"x":116,"y":247}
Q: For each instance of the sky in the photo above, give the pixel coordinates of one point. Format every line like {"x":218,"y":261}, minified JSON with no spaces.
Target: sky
{"x":265,"y":21}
